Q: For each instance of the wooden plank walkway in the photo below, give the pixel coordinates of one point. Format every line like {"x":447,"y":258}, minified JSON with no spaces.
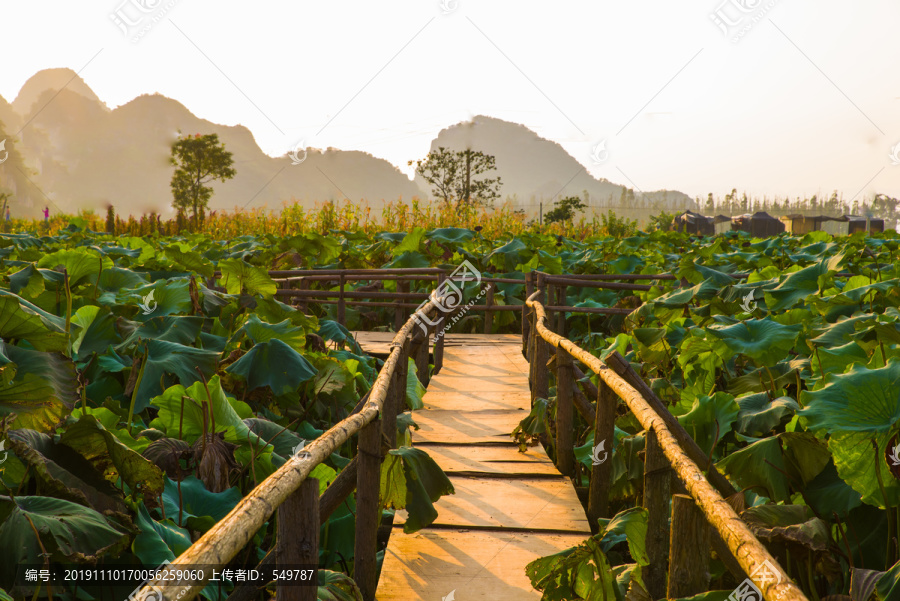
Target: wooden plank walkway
{"x":509,"y":508}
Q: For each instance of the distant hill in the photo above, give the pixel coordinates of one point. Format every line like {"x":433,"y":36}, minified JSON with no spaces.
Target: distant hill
{"x":81,"y":154}
{"x":534,"y":169}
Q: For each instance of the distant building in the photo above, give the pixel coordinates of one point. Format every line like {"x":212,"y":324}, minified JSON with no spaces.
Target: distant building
{"x":695,"y":223}
{"x":759,"y":225}
{"x":722,"y":224}
{"x":799,"y":225}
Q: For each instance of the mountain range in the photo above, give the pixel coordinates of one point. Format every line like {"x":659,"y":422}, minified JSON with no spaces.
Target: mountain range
{"x":68,"y":150}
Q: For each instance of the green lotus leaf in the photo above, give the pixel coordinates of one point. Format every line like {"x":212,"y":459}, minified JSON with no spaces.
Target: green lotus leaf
{"x":411,"y":480}
{"x":228,"y":413}
{"x":760,"y":467}
{"x":176,"y":359}
{"x":21,"y":320}
{"x":273,"y":364}
{"x":238,"y":276}
{"x":82,"y":265}
{"x":763,"y":340}
{"x":760,"y":414}
{"x":42,"y":392}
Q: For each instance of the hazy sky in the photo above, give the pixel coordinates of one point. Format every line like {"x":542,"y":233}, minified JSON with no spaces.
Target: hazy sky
{"x":801,"y":97}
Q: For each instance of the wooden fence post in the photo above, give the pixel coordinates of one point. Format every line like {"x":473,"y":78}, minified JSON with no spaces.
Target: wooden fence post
{"x":341,"y":308}
{"x":439,"y":330}
{"x":368,"y":509}
{"x":488,"y":314}
{"x":298,"y":538}
{"x":601,"y":469}
{"x":526,"y":325}
{"x":399,"y":315}
{"x":561,"y":316}
{"x":565,"y":392}
{"x":395,"y":402}
{"x":541,"y":388}
{"x":656,"y":501}
{"x":689,"y":544}
{"x":304,"y":285}
{"x":419,"y":352}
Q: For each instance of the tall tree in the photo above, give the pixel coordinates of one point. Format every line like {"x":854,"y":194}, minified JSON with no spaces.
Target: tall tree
{"x":199,"y":160}
{"x":454,"y":176}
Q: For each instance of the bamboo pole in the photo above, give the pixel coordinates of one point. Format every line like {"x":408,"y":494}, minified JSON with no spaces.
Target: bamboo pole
{"x":221,"y":543}
{"x":749,"y":552}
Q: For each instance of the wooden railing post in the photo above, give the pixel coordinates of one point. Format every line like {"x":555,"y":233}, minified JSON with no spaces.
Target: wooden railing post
{"x":298,"y":538}
{"x":368,"y":509}
{"x":601,"y":468}
{"x":565,"y":393}
{"x":541,"y":387}
{"x":689,"y":545}
{"x":561,"y":316}
{"x":526,"y":324}
{"x":395,"y":402}
{"x":656,"y":502}
{"x":399,"y":316}
{"x":488,"y":314}
{"x":439,"y":330}
{"x":341,"y":308}
{"x":304,"y":285}
{"x":419,"y":353}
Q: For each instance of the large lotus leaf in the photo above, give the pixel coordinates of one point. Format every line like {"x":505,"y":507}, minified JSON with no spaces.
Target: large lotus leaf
{"x":627,"y":526}
{"x":115,"y":279}
{"x":841,"y":332}
{"x":334,"y":586}
{"x":696,"y":274}
{"x":581,"y":572}
{"x":409,"y":260}
{"x":804,"y":455}
{"x":22,"y":320}
{"x":238,"y":276}
{"x":97,"y":333}
{"x":759,"y":466}
{"x":68,"y":532}
{"x":282,"y":439}
{"x":798,"y":285}
{"x":182,"y":329}
{"x":199,"y":508}
{"x":837,"y":359}
{"x":228,"y":413}
{"x":828,"y":493}
{"x":29,"y":281}
{"x":273,"y":364}
{"x":271,"y":310}
{"x":854,"y":294}
{"x":888,"y":586}
{"x":411,"y":480}
{"x":190,"y":261}
{"x":792,"y":525}
{"x":259,"y":331}
{"x":450,"y":235}
{"x":763,"y":340}
{"x":158,"y":541}
{"x":315,"y":248}
{"x":760,"y":414}
{"x":683,"y":296}
{"x":64,"y":474}
{"x":861,"y":466}
{"x":81,"y":264}
{"x":334,"y":331}
{"x":861,"y":400}
{"x":43,"y":391}
{"x":163,"y":297}
{"x":710,"y":419}
{"x":176,"y":359}
{"x":508,"y":256}
{"x":410,"y":243}
{"x":110,"y":456}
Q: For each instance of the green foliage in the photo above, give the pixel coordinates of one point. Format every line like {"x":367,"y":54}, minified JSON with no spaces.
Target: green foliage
{"x":198,"y":160}
{"x":565,"y":209}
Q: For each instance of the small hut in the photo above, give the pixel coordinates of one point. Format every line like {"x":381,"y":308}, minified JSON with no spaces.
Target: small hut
{"x":759,"y":225}
{"x":695,"y":223}
{"x":722,"y":224}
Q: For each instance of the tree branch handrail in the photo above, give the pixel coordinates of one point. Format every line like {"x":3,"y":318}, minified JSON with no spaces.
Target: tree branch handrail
{"x":746,"y":548}
{"x":219,"y":545}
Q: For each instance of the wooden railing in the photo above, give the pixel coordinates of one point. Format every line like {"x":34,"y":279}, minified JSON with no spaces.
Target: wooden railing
{"x":295,"y":496}
{"x":668,"y":448}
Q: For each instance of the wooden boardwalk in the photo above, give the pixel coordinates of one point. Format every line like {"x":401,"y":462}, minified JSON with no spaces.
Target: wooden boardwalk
{"x":509,"y":507}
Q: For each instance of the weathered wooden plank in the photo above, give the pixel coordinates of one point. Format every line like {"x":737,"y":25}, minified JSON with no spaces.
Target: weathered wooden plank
{"x":492,"y":460}
{"x":521,"y":504}
{"x":477,"y":401}
{"x":477,"y":565}
{"x":466,"y":426}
